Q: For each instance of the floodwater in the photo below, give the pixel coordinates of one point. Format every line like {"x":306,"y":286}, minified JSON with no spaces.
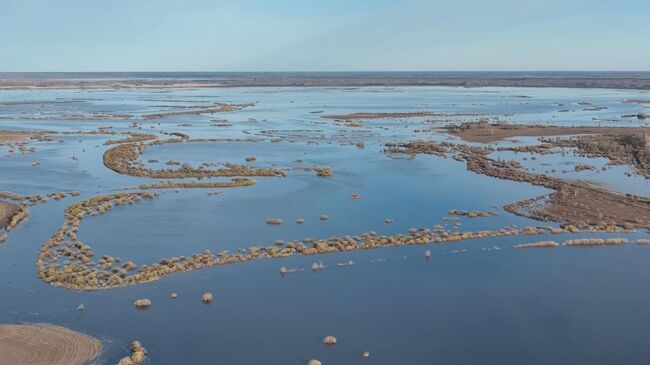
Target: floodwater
{"x":481,"y":305}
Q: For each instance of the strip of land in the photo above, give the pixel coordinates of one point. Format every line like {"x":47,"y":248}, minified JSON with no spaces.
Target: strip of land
{"x":608,"y":80}
{"x":481,"y":132}
{"x":7,"y":137}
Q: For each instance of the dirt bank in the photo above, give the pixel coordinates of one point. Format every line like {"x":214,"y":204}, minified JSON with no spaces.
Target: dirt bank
{"x":43,"y":344}
{"x":481,"y":132}
{"x":7,"y":211}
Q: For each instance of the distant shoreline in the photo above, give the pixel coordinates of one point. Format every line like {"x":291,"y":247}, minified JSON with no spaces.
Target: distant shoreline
{"x":604,"y":80}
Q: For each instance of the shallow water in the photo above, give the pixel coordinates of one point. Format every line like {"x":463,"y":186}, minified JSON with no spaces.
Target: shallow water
{"x":488,"y":306}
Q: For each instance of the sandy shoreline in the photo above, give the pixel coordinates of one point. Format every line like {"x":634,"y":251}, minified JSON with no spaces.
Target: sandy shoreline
{"x":607,"y":81}
{"x":43,"y":344}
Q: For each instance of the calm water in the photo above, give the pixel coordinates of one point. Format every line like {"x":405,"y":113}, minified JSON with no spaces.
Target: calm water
{"x":507,"y":306}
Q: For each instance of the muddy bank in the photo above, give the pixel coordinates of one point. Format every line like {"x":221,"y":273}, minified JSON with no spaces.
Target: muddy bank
{"x":482,"y":132}
{"x":43,"y":344}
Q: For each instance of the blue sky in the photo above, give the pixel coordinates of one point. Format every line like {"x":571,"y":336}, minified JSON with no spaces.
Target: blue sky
{"x":324,"y":35}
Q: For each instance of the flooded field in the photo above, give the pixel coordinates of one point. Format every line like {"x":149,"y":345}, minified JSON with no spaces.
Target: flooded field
{"x":361,"y":216}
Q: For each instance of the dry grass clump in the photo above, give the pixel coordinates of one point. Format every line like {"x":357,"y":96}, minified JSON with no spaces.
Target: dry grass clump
{"x":138,"y":355}
{"x":471,"y":214}
{"x":129,"y":266}
{"x":595,"y":241}
{"x":324,"y":171}
{"x":583,"y":167}
{"x":419,"y":147}
{"x":143,"y":303}
{"x":540,"y":244}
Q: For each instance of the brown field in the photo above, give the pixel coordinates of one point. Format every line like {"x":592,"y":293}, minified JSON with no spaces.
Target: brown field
{"x":480,"y":132}
{"x":43,"y":344}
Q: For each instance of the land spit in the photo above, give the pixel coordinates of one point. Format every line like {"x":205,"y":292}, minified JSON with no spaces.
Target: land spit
{"x":236,"y":182}
{"x":42,"y":344}
{"x":122,"y":159}
{"x":483,"y":132}
{"x":66,"y":262}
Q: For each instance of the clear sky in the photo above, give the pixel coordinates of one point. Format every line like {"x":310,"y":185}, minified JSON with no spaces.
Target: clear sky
{"x":324,"y":35}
